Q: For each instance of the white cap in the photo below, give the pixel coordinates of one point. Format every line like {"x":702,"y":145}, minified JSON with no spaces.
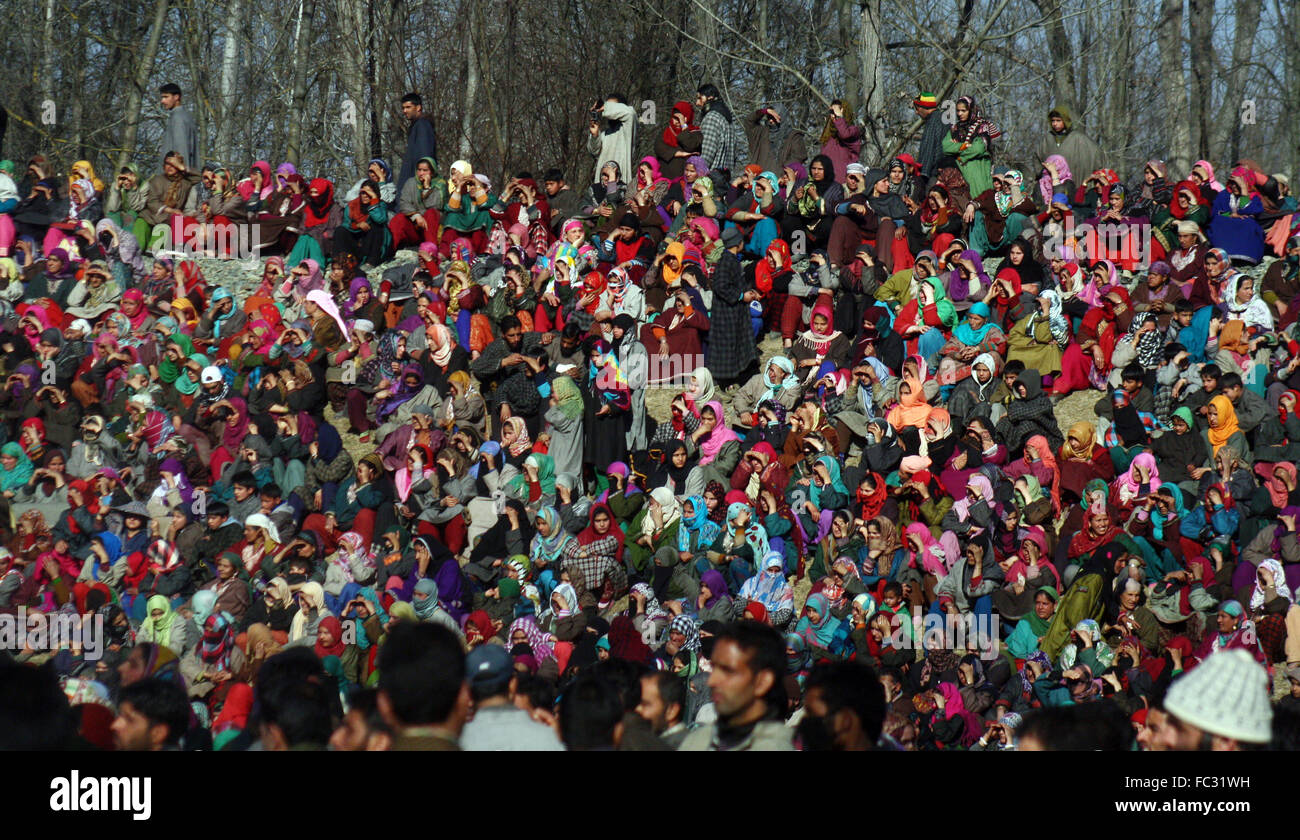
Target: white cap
{"x":210,"y":375}
{"x":81,"y":325}
{"x":565,"y":368}
{"x":1226,"y":695}
{"x":362,"y":325}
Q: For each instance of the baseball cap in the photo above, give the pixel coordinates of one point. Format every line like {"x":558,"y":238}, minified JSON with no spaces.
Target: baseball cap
{"x":489,"y":668}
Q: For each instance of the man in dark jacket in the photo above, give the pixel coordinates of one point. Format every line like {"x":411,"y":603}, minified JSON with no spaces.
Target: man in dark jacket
{"x":732,"y":349}
{"x":420,"y":141}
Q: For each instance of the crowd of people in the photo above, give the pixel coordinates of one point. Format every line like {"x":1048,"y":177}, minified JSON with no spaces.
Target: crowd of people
{"x":437,"y":505}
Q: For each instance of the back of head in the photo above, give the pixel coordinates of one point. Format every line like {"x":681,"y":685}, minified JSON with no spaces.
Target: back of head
{"x":590,"y":714}
{"x":295,"y":694}
{"x":34,"y":711}
{"x":625,"y":677}
{"x":421,"y":672}
{"x":1085,"y":726}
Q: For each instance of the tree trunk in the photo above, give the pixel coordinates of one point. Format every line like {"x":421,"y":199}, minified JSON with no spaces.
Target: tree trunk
{"x":229,"y":77}
{"x":1062,"y":55}
{"x":1226,"y":134}
{"x":1200,"y":20}
{"x":353,"y":19}
{"x":302,"y":36}
{"x":143,"y":68}
{"x":1169,"y":41}
{"x":872,"y":50}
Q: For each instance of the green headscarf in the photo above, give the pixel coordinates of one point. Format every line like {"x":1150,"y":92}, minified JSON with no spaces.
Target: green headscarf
{"x":568,"y":397}
{"x":1040,"y":625}
{"x":22,"y":471}
{"x":947,"y":312}
{"x":183,"y":383}
{"x":1185,"y":414}
{"x":169,"y":371}
{"x":158,"y":630}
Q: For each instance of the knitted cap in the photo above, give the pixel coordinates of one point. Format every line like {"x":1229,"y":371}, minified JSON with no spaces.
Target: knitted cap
{"x":1225,"y":695}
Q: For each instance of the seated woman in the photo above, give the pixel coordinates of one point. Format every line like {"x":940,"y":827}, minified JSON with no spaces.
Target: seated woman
{"x":998,"y":215}
{"x":754,"y":212}
{"x":779,"y":383}
{"x":810,"y":205}
{"x":934,"y":224}
{"x":1111,"y":233}
{"x":1038,"y":339}
{"x":924,"y":322}
{"x":1081,"y":459}
{"x":1234,"y":224}
{"x":913,"y":410}
{"x":975,"y":336}
{"x":820,"y":344}
{"x":364,"y":233}
{"x":1186,"y":213}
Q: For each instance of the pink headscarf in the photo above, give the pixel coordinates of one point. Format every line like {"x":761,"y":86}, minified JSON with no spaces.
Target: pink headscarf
{"x":954,"y":706}
{"x":1040,"y":447}
{"x":720,"y":435}
{"x":1209,"y":172}
{"x":1045,"y":185}
{"x":1129,"y":485}
{"x":930,"y":560}
{"x":325,"y":302}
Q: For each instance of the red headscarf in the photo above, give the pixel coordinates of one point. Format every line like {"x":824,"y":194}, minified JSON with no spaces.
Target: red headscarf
{"x":335,"y":627}
{"x":686,"y":110}
{"x":317,"y":210}
{"x":588,"y":535}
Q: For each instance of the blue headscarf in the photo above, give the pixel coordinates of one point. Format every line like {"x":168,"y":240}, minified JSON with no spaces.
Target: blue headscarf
{"x":221,"y":294}
{"x":1196,"y":335}
{"x":790,"y":380}
{"x":967,"y":334}
{"x":836,"y":483}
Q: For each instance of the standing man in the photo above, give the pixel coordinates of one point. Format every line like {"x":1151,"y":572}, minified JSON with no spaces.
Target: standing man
{"x":182,"y":134}
{"x":421,"y":142}
{"x":1078,"y":149}
{"x":612,"y":140}
{"x":927,"y":108}
{"x":498,"y":724}
{"x":748,"y":692}
{"x":724,"y":147}
{"x":732,"y":350}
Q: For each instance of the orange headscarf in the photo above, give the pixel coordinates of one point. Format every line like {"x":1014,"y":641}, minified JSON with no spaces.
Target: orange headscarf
{"x":912,"y":409}
{"x":1227,"y":427}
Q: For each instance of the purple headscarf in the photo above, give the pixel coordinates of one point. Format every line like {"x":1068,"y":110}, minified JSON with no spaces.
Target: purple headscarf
{"x":717,"y":586}
{"x":357,"y":284}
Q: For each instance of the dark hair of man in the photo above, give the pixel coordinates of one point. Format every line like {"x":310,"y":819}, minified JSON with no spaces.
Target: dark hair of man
{"x":421,"y":669}
{"x":414,"y":99}
{"x":294,"y":692}
{"x":590,"y":711}
{"x":1086,"y":726}
{"x":162,"y":702}
{"x":854,"y":686}
{"x":34,"y":711}
{"x":672,"y":689}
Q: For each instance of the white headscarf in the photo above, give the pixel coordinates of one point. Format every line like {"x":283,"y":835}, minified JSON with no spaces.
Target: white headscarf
{"x":322,"y":299}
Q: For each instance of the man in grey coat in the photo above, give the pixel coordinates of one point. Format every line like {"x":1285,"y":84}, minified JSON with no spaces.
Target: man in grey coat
{"x":182,"y":134}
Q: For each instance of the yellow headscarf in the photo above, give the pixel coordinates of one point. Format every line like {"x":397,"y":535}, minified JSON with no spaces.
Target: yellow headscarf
{"x":88,"y":170}
{"x":1227,"y":427}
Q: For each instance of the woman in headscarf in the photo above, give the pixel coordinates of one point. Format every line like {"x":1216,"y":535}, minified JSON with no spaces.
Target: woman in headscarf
{"x":659,"y":523}
{"x":164,"y":626}
{"x":1223,"y":429}
{"x":978,"y":334}
{"x":913,"y":408}
{"x":1038,"y":339}
{"x":364,"y":232}
{"x":770,"y":588}
{"x":923,"y":321}
{"x":1234,"y":224}
{"x":1081,"y":459}
{"x":810,"y":206}
{"x":998,"y":214}
{"x":970,"y":142}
